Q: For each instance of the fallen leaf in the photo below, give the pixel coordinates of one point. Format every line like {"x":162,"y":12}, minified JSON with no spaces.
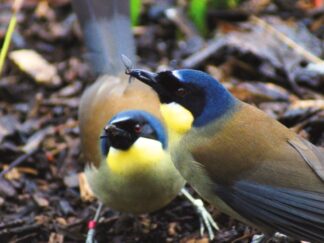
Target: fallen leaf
{"x":2,"y":201}
{"x":33,"y":64}
{"x":35,"y":140}
{"x":6,"y":189}
{"x":85,"y":190}
{"x":8,"y":125}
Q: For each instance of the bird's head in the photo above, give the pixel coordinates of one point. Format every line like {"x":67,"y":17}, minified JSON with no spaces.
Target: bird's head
{"x":133,"y":139}
{"x":195,"y":91}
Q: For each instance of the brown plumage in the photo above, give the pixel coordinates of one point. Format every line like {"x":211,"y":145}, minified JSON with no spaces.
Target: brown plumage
{"x":241,"y":160}
{"x":252,"y":147}
{"x":258,"y":171}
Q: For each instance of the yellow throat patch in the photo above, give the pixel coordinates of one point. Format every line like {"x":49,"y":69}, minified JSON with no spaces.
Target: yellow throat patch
{"x":178,"y":120}
{"x":143,"y":155}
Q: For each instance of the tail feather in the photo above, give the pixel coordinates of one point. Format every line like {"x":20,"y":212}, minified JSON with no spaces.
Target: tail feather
{"x":107,"y":33}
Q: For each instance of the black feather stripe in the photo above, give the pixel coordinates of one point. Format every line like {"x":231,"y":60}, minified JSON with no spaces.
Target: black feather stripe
{"x":288,"y":221}
{"x":276,"y":220}
{"x":285,"y":210}
{"x":294,"y":201}
{"x":277,"y":213}
{"x":299,"y":214}
{"x":314,"y":196}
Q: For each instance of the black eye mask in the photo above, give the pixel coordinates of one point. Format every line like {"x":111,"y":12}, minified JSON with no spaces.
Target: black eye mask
{"x":126,"y":127}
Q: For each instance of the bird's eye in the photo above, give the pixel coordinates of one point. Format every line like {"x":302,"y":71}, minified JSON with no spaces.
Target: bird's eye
{"x":137,"y":128}
{"x":181,"y":92}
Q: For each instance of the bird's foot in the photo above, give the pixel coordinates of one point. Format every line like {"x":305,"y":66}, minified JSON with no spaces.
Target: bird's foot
{"x":206,"y":220}
{"x":259,"y":238}
{"x":277,"y":237}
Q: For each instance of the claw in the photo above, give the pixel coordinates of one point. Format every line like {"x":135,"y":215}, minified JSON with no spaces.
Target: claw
{"x":277,"y":237}
{"x":206,"y":220}
{"x":258,"y":238}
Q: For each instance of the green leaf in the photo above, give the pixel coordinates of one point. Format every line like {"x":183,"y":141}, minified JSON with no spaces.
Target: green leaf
{"x":135,"y":11}
{"x":198,"y":12}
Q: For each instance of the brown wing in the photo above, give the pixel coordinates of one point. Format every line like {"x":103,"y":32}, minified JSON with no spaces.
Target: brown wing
{"x":101,"y":101}
{"x":312,"y":155}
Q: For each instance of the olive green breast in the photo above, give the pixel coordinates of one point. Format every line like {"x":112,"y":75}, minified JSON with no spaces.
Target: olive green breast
{"x":142,"y":192}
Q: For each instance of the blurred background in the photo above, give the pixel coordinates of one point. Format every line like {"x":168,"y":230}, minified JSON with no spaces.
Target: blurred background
{"x":268,"y":53}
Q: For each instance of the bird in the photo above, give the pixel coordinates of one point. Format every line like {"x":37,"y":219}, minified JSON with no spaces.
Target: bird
{"x":108,"y":36}
{"x":137,"y":174}
{"x":242,"y":161}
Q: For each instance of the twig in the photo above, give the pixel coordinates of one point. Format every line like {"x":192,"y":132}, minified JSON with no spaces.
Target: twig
{"x":197,"y":58}
{"x":18,"y":161}
{"x":289,"y":42}
{"x":193,"y":40}
{"x":14,"y":223}
{"x":20,"y":229}
{"x":11,"y":27}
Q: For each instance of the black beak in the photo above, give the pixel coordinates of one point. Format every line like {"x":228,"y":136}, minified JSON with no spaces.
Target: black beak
{"x":114,"y":131}
{"x":146,"y":77}
{"x":152,"y":80}
{"x":118,"y":138}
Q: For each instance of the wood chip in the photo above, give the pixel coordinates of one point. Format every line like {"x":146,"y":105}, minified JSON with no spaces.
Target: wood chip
{"x":56,"y":238}
{"x":42,"y":219}
{"x":27,"y":170}
{"x":61,"y":221}
{"x":2,"y":201}
{"x":13,"y":174}
{"x":41,"y":201}
{"x":172,"y":229}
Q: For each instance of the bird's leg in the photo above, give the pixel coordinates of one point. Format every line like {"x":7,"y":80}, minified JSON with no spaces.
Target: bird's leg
{"x":92,"y":225}
{"x":206,"y":220}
